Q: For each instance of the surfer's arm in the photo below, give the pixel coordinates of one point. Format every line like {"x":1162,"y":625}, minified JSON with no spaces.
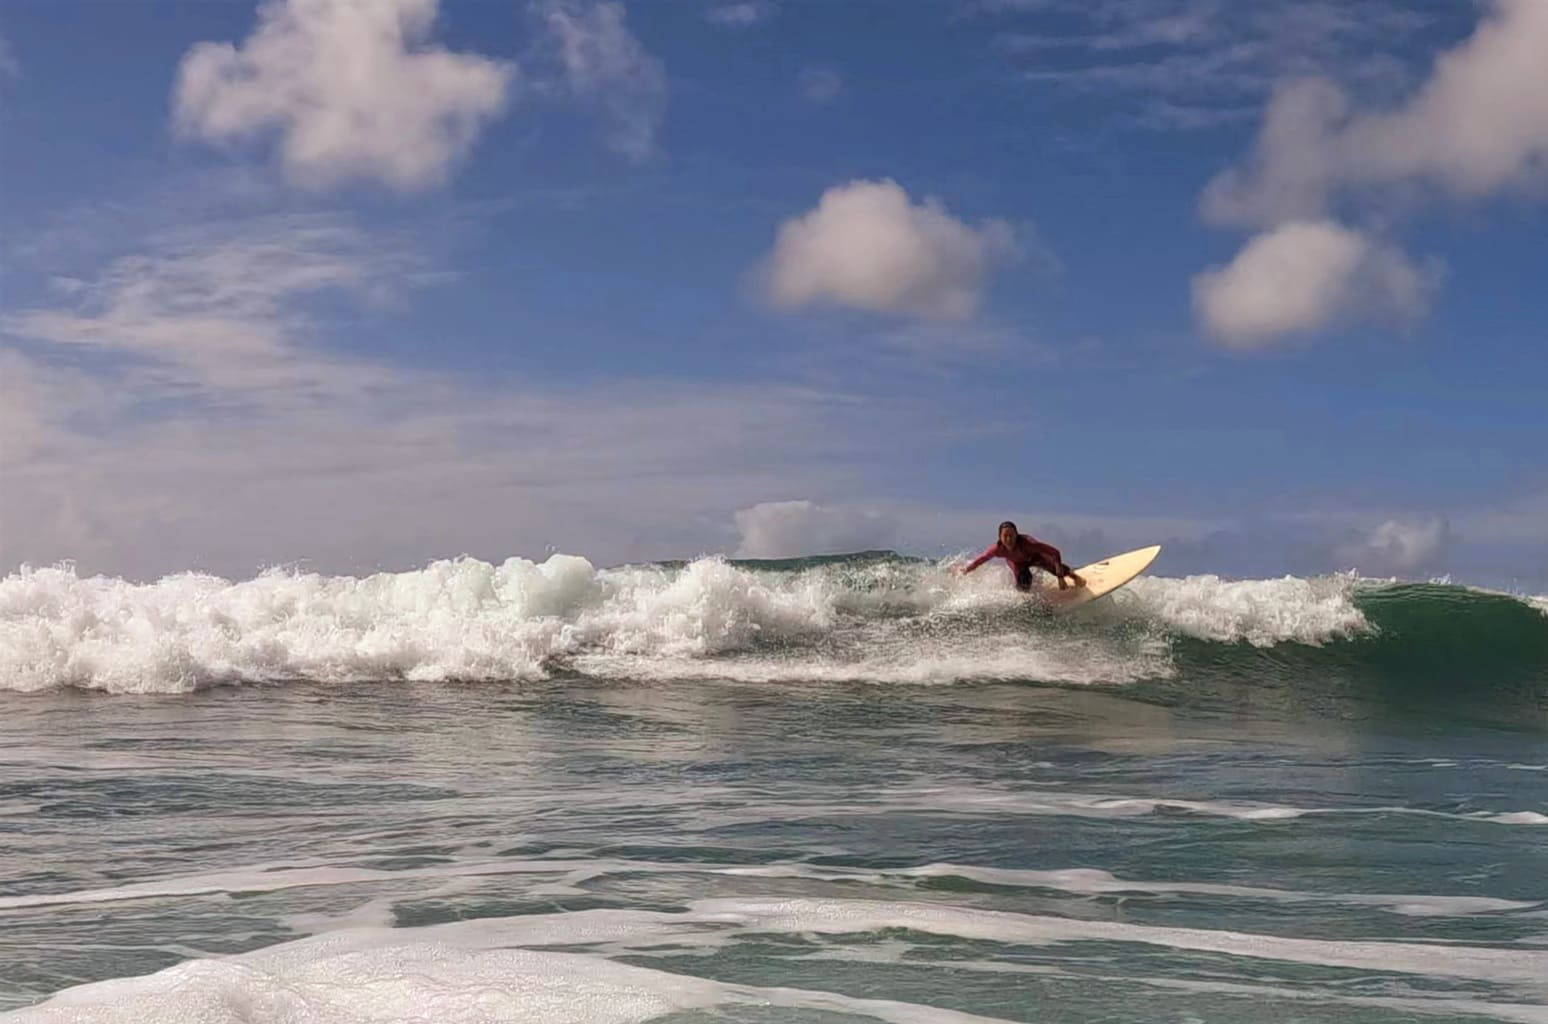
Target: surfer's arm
{"x":980,"y":560}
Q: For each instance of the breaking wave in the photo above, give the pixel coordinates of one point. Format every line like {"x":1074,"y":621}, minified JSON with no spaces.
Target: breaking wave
{"x":868,"y":617}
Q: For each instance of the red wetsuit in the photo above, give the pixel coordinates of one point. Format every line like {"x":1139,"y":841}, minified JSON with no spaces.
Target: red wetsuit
{"x":1022,"y":556}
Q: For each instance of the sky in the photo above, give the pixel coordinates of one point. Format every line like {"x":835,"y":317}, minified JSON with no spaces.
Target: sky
{"x":352,"y":285}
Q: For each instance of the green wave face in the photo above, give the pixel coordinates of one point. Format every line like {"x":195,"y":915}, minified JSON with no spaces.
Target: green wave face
{"x":1429,"y":651}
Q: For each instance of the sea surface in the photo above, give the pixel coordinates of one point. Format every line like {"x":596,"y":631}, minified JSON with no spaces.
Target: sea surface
{"x":837,"y":789}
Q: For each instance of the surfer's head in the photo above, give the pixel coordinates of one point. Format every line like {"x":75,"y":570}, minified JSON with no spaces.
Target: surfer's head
{"x":1008,"y":533}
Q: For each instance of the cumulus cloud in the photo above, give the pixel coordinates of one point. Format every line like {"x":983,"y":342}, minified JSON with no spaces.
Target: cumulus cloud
{"x":792,"y":529}
{"x":604,"y":65}
{"x":352,"y":88}
{"x":868,"y":246}
{"x":1399,"y":547}
{"x":1476,"y":126}
{"x":738,"y":15}
{"x":1302,"y":277}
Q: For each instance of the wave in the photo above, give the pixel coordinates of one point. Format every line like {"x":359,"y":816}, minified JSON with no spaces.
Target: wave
{"x":875,"y":616}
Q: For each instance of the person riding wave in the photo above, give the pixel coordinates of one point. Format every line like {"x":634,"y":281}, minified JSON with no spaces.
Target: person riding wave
{"x":1023,"y":553}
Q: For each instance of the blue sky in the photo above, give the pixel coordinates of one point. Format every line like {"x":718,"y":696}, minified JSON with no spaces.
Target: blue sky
{"x":358,"y":285}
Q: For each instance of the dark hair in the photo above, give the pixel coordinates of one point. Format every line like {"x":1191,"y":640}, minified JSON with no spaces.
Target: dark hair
{"x":1007,"y":523}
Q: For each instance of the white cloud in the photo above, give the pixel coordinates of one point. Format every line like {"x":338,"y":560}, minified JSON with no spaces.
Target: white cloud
{"x":1399,"y":547}
{"x":1477,"y":125}
{"x":351,"y":86}
{"x":739,"y":15}
{"x":791,"y":529}
{"x":1304,"y":276}
{"x":1289,"y":177}
{"x":820,"y":85}
{"x":868,"y":246}
{"x":605,"y":65}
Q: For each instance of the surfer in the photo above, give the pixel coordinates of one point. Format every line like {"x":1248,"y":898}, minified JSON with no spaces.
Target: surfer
{"x":1023,"y":552}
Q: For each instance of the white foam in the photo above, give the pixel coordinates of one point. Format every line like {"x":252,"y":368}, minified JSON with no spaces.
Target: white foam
{"x":1086,"y":805}
{"x":838,"y":917}
{"x":1260,"y":612}
{"x":1051,"y":659}
{"x":980,"y":801}
{"x":373,"y":975}
{"x":464,"y":619}
{"x":378,"y":984}
{"x":1515,"y":818}
{"x":259,"y":879}
{"x":1093,"y":881}
{"x":487,"y":969}
{"x":571,"y":872}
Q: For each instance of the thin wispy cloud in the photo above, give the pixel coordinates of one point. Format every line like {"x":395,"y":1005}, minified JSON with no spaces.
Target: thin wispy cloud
{"x":220,"y":310}
{"x":185,"y":407}
{"x":739,"y":15}
{"x":10,"y":67}
{"x":820,"y":85}
{"x":604,"y":65}
{"x":1197,"y":64}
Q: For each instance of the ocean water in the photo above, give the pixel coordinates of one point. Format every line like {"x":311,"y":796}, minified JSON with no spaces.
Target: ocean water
{"x":843,"y":789}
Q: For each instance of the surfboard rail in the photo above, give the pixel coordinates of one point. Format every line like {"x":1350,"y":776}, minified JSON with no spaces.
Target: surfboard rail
{"x":1102,"y":578}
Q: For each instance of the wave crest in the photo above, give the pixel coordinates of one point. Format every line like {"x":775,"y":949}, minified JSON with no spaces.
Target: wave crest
{"x":876,"y":617}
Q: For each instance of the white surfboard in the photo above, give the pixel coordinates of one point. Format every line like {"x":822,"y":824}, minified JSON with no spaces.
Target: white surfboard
{"x":1101,"y":578}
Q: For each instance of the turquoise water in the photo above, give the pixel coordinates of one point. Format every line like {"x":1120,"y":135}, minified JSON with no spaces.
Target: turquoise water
{"x":1320,"y":800}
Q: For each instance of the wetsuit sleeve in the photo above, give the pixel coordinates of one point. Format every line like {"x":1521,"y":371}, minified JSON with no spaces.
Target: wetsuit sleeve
{"x":989,"y":552}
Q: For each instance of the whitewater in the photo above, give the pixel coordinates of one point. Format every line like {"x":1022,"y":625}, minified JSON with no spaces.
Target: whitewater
{"x":876,"y":617}
{"x":848,"y":788}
